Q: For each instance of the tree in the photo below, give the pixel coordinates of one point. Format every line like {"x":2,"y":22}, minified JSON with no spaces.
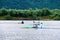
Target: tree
{"x":3,"y":12}
{"x":45,"y":12}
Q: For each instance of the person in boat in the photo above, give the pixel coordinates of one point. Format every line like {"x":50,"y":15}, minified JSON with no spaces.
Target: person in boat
{"x":38,"y":23}
{"x":41,"y":25}
{"x":22,"y":22}
{"x":35,"y":24}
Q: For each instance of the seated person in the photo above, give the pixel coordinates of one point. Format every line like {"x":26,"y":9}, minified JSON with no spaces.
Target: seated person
{"x":38,"y":23}
{"x":22,"y":22}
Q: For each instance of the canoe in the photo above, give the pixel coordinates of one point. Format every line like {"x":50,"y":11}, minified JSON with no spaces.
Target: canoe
{"x":31,"y":26}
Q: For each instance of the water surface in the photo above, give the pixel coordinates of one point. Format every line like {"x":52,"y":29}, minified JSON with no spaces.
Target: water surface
{"x":12,"y":30}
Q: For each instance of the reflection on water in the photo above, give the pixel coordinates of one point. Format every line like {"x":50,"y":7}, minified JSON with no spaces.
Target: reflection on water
{"x":11,"y":30}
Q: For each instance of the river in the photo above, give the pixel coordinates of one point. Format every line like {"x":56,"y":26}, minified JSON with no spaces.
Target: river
{"x":12,"y":30}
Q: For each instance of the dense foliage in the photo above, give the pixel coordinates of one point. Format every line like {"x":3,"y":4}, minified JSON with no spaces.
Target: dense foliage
{"x":25,"y":4}
{"x":30,"y":14}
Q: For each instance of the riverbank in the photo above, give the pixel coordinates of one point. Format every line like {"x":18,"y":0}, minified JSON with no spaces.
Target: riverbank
{"x":29,"y":14}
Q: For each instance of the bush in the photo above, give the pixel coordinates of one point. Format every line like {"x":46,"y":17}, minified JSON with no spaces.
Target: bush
{"x":30,"y":13}
{"x":8,"y":17}
{"x":3,"y":12}
{"x":45,"y":12}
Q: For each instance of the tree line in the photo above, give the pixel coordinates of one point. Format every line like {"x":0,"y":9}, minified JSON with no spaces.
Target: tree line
{"x":37,"y":14}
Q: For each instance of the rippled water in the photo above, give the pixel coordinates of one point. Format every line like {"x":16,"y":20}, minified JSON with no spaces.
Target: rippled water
{"x":11,"y":30}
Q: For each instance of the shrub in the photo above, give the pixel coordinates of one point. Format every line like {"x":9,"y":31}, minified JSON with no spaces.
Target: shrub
{"x":45,"y":12}
{"x":3,"y":12}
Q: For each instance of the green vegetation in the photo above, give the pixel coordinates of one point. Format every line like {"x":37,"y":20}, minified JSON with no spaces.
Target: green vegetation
{"x":29,"y":14}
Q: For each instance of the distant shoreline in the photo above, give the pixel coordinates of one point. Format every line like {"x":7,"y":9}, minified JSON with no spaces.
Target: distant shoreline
{"x":30,"y":14}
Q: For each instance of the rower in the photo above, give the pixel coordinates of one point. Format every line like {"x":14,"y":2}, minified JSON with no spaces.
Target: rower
{"x":22,"y":22}
{"x":41,"y":25}
{"x":34,"y":24}
{"x":38,"y":23}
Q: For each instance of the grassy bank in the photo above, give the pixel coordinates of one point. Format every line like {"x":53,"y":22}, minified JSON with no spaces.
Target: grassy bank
{"x":29,"y":14}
